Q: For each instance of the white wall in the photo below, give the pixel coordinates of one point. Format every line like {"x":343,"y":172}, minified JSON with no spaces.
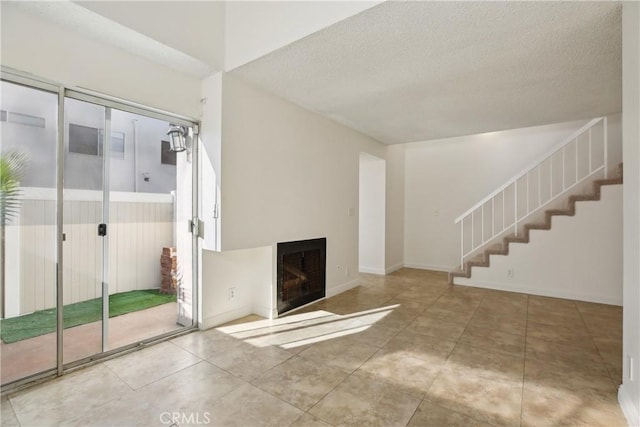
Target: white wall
{"x":581,"y":255}
{"x":210,"y":159}
{"x":37,"y":46}
{"x":290,"y":174}
{"x":255,"y":28}
{"x":394,"y":252}
{"x":446,"y":177}
{"x":371,"y":214}
{"x":247,"y":271}
{"x":629,"y":394}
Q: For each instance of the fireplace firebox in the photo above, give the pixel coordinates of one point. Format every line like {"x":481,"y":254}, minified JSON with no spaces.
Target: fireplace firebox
{"x":301,"y":273}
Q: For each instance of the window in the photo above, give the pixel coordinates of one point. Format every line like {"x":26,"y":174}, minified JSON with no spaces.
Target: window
{"x":167,"y":157}
{"x":22,"y":119}
{"x":88,"y":140}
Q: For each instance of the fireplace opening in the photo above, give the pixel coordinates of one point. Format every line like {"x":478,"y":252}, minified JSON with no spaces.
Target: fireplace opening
{"x":301,"y":273}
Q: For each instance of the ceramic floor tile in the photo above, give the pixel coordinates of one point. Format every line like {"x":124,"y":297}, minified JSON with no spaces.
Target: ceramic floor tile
{"x":557,"y":305}
{"x":429,"y":414}
{"x":565,"y":356}
{"x":409,"y":305}
{"x":129,"y":409}
{"x":249,"y":361}
{"x":492,"y":365}
{"x":420,"y":346}
{"x":308,"y":420}
{"x":590,"y":308}
{"x":566,"y":335}
{"x":549,"y":406}
{"x":361,"y":401}
{"x":74,"y":394}
{"x":604,"y":327}
{"x":343,"y":353}
{"x":402,"y":370}
{"x":205,"y":344}
{"x":574,"y":378}
{"x":7,"y":415}
{"x":436,"y":328}
{"x":547,"y":317}
{"x":300,"y":382}
{"x":204,"y":382}
{"x":512,"y":323}
{"x":492,"y":340}
{"x":249,"y":406}
{"x":397,"y":319}
{"x":375,"y":335}
{"x":448,"y":313}
{"x":151,"y":364}
{"x":493,"y":402}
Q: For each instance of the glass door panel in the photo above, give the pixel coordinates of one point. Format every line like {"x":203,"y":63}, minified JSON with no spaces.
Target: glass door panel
{"x":83,"y":247}
{"x":147,"y":266}
{"x":28,"y":211}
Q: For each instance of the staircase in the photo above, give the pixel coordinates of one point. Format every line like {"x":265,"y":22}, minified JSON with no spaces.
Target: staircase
{"x":574,"y":171}
{"x":502,"y":248}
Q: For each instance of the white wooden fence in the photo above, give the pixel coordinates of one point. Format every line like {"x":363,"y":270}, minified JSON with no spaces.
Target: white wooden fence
{"x":140,"y":225}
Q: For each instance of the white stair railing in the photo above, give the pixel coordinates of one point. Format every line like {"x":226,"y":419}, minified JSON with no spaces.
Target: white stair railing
{"x":575,"y":160}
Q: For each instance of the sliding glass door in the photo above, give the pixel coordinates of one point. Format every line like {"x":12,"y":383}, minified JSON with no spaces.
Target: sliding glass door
{"x":99,"y":257}
{"x":83,"y":245}
{"x":28,"y":212}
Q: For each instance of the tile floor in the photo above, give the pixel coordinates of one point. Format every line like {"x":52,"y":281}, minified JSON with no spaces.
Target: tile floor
{"x":405,"y":349}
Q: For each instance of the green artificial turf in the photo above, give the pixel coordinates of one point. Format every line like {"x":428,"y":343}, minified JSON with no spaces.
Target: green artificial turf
{"x":44,"y":321}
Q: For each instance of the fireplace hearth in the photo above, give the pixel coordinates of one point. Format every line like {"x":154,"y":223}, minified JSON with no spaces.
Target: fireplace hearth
{"x":301,"y":273}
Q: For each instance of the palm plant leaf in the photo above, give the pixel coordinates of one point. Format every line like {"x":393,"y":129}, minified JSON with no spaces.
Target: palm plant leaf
{"x":13,"y":165}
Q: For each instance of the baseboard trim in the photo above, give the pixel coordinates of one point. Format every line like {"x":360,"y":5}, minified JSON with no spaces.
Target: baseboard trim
{"x":371,"y":270}
{"x":629,"y":410}
{"x":341,"y":288}
{"x":393,"y":268}
{"x":555,"y":293}
{"x":432,"y":267}
{"x":262,"y":310}
{"x":225,"y":317}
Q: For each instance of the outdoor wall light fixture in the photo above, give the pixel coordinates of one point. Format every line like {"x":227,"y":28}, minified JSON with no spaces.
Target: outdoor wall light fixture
{"x":177,"y":138}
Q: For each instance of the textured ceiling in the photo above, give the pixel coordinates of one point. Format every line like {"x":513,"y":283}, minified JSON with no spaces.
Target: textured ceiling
{"x":413,"y":71}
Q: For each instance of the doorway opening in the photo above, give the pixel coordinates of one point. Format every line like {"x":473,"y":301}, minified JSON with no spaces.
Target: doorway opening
{"x":372,"y":188}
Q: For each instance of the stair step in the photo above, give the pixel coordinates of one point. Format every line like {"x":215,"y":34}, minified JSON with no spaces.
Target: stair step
{"x":538,"y":226}
{"x":497,"y":249}
{"x":583,"y":198}
{"x":561,"y":212}
{"x":610,"y":181}
{"x":516,"y":239}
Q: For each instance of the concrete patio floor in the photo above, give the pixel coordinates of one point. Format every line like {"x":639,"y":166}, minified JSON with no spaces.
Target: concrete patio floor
{"x":37,"y":354}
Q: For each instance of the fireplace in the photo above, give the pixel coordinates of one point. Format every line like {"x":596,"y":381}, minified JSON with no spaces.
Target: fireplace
{"x":301,"y":273}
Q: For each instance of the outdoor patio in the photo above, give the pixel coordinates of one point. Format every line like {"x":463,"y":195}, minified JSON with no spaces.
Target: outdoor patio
{"x":33,"y":355}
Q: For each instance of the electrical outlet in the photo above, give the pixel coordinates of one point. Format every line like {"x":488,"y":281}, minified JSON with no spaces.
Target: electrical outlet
{"x":232,"y":294}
